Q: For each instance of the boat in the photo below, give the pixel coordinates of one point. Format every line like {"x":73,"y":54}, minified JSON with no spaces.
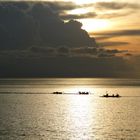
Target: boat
{"x":112,"y":96}
{"x":83,"y":93}
{"x":57,"y":92}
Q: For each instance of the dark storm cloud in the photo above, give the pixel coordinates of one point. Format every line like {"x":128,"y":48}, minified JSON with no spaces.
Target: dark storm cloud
{"x":39,"y":25}
{"x":67,"y":62}
{"x":20,"y":5}
{"x":63,"y":66}
{"x":15,"y":26}
{"x":56,"y":6}
{"x":35,"y":42}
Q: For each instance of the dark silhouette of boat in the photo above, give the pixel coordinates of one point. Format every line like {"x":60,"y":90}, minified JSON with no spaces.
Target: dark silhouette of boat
{"x":112,"y":96}
{"x":83,"y":93}
{"x":57,"y":92}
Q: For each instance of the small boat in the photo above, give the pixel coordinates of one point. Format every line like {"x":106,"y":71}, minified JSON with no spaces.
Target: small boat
{"x":83,"y":93}
{"x":112,"y":96}
{"x":57,"y":92}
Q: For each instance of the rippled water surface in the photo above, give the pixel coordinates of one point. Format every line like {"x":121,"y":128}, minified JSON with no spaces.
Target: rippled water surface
{"x":28,"y":110}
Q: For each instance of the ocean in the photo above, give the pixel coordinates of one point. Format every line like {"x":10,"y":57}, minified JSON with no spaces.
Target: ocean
{"x":29,"y":110}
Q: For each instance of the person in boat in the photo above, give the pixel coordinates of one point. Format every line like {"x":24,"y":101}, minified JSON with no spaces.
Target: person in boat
{"x":106,"y":95}
{"x":117,"y":95}
{"x":83,"y":92}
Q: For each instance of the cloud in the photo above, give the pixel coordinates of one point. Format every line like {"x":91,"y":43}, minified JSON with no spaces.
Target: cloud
{"x":115,"y":5}
{"x":109,"y":53}
{"x":61,"y":9}
{"x":65,"y":62}
{"x":113,"y":15}
{"x":78,"y":16}
{"x":39,"y":25}
{"x":111,"y":43}
{"x":49,"y":51}
{"x":17,"y":27}
{"x":103,"y":15}
{"x":96,"y":52}
{"x":59,"y":6}
{"x":63,"y":51}
{"x":85,"y":51}
{"x":135,"y":32}
{"x":37,"y":42}
{"x":62,"y":66}
{"x":117,"y":33}
{"x":45,"y":52}
{"x":111,"y":9}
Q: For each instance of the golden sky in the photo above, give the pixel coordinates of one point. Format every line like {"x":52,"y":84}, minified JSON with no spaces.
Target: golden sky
{"x":103,"y":16}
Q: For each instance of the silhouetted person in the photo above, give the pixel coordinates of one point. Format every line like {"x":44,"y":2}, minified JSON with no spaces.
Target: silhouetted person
{"x":117,"y":95}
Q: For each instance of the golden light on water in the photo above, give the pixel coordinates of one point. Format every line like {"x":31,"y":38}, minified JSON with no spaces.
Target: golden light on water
{"x":79,"y":111}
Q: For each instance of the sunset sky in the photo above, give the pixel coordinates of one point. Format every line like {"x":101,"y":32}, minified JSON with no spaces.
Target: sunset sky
{"x":84,"y":38}
{"x":118,"y":21}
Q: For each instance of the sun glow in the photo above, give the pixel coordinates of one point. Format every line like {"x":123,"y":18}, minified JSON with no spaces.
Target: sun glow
{"x":78,"y":11}
{"x":91,"y":25}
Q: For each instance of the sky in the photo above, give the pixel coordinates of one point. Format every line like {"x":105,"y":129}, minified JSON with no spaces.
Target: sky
{"x":100,"y":17}
{"x":70,"y":38}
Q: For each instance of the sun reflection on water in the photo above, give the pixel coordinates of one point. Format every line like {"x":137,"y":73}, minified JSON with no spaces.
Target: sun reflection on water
{"x":80,"y":115}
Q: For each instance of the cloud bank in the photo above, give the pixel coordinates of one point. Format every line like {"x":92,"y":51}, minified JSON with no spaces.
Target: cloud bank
{"x":23,"y":26}
{"x":36,"y":42}
{"x":100,"y":10}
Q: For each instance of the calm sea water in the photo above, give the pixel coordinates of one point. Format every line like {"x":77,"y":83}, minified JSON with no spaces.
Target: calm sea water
{"x":29,"y":112}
